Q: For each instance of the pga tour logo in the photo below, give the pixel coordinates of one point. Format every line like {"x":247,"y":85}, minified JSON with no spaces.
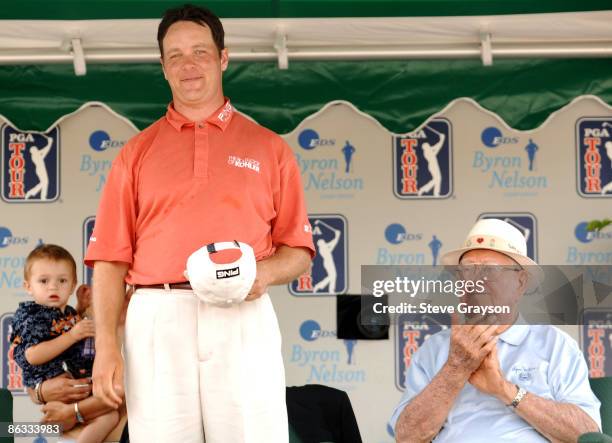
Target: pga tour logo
{"x":30,"y":166}
{"x":422,"y":162}
{"x":227,"y":273}
{"x":594,"y":157}
{"x":88,"y":227}
{"x":596,"y":340}
{"x":328,"y":274}
{"x":524,"y":222}
{"x":411,"y":332}
{"x":12,"y":375}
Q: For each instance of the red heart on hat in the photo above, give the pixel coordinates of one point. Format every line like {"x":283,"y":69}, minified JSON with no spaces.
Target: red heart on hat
{"x":480,"y":239}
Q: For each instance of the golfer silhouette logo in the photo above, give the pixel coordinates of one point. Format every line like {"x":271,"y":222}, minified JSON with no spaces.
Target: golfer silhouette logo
{"x":594,"y":155}
{"x":329,"y":271}
{"x":30,"y":166}
{"x":422,"y":162}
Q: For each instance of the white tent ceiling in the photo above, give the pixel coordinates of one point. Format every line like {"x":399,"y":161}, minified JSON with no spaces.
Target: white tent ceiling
{"x":573,"y":34}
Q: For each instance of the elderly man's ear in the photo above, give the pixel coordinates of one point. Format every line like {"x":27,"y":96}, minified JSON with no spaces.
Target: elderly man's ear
{"x":524,"y":280}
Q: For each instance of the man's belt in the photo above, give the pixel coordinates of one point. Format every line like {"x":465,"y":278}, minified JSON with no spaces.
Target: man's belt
{"x":180,"y":285}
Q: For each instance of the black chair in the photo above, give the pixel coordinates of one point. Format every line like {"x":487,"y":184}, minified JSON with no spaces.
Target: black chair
{"x":6,"y":411}
{"x":320,"y":413}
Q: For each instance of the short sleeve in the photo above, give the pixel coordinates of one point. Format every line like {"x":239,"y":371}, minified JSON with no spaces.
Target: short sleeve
{"x":29,"y":329}
{"x":570,"y":381}
{"x":291,"y":226}
{"x":114,"y":228}
{"x":417,"y":378}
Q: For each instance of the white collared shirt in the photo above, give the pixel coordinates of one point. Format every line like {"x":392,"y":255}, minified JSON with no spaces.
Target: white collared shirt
{"x":539,"y":358}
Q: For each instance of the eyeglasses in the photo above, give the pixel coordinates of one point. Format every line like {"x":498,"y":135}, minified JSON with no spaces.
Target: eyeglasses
{"x":486,"y":272}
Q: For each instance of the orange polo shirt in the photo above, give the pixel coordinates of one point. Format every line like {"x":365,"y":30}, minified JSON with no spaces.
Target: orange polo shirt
{"x":179,"y":185}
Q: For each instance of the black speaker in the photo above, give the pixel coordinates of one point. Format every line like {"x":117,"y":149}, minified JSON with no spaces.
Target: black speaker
{"x":356,"y":318}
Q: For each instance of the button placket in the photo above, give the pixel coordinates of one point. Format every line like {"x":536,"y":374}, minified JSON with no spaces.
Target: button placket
{"x":200,"y":158}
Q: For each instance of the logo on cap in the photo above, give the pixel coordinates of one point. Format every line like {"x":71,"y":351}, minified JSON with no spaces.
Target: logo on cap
{"x":227,"y":273}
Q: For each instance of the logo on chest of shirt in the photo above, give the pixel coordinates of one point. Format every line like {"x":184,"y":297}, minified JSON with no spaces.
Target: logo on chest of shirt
{"x":523,"y":373}
{"x":239,"y":162}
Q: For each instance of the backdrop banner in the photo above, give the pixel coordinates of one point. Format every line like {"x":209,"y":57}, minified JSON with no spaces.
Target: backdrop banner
{"x":374,"y":198}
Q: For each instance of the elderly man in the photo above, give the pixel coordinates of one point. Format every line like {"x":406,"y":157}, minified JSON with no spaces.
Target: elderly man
{"x":506,"y":383}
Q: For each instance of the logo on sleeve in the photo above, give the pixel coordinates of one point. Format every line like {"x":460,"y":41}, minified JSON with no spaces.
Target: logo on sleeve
{"x":30,"y":166}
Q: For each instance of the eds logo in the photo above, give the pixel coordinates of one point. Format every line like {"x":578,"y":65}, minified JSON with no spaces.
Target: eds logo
{"x":88,"y":227}
{"x":8,"y":239}
{"x":12,"y":376}
{"x":422,"y":162}
{"x":30,"y":166}
{"x":583,"y":235}
{"x":411,"y":332}
{"x":492,"y":137}
{"x":524,"y":222}
{"x":309,"y":139}
{"x":100,"y":141}
{"x":310,"y":330}
{"x":594,"y":157}
{"x":396,"y":233}
{"x":596,"y":341}
{"x":328,"y":274}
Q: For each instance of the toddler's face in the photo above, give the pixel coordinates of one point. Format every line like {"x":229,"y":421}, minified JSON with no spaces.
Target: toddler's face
{"x":50,"y":282}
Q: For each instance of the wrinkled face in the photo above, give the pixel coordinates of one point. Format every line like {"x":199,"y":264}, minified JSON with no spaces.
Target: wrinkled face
{"x":504,"y":280}
{"x":51,"y":282}
{"x":192,"y":64}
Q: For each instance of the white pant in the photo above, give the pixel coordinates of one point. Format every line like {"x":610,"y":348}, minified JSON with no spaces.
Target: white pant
{"x":192,"y":367}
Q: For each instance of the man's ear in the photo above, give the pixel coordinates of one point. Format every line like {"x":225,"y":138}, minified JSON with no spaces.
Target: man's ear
{"x":224,"y":59}
{"x":161,"y":62}
{"x":524,"y":278}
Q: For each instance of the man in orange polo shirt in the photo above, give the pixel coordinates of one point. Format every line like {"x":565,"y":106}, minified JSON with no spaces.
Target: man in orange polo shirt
{"x":202,"y":173}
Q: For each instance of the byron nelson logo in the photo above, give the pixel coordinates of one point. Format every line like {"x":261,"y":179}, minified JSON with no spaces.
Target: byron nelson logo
{"x":30,"y":166}
{"x":228,"y":273}
{"x":594,"y":157}
{"x":422,"y":162}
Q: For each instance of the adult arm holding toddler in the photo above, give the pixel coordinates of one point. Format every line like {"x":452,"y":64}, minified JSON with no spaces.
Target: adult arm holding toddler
{"x":45,"y":332}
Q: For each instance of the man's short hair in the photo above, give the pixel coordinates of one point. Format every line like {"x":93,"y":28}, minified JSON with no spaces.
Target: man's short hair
{"x":191,"y":13}
{"x":49,"y":252}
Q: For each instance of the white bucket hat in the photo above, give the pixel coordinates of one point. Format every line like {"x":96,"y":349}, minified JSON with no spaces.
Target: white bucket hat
{"x":222,"y":284}
{"x":496,"y":235}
